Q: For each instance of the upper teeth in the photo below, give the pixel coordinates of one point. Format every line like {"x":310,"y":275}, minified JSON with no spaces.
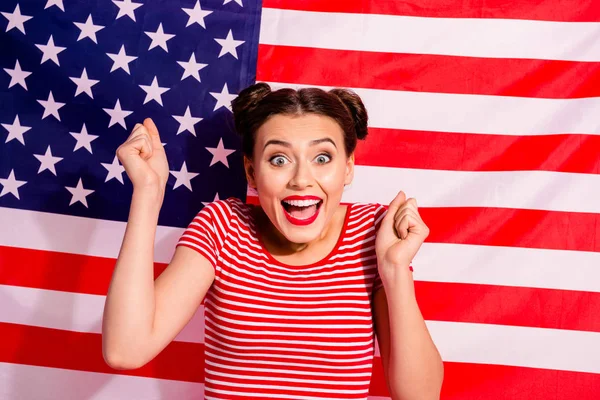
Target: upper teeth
{"x":302,"y":203}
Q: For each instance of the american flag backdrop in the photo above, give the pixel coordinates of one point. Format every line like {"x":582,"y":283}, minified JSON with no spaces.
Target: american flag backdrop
{"x":486,"y":111}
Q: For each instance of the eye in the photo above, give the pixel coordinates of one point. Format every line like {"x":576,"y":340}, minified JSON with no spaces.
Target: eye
{"x":323,"y":158}
{"x":278,"y":161}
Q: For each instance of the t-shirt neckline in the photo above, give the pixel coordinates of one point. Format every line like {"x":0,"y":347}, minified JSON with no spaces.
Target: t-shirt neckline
{"x":319,"y":262}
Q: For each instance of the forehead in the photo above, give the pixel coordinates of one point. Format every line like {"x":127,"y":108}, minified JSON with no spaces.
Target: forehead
{"x":297,"y":129}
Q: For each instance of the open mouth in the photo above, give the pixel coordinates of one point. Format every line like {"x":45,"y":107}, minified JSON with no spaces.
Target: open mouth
{"x":301,"y":212}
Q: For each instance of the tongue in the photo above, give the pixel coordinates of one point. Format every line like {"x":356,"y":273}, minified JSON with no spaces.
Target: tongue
{"x":302,"y":212}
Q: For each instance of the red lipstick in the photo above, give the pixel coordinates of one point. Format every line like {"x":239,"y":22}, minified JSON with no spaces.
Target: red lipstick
{"x":298,"y":221}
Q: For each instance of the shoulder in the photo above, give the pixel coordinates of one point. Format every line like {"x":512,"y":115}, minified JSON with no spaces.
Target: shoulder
{"x":369,"y":214}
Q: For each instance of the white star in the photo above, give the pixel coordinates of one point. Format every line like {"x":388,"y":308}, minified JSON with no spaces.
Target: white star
{"x":84,"y":84}
{"x":83,"y":139}
{"x":228,"y":45}
{"x":121,"y":60}
{"x":51,"y":106}
{"x":88,"y":29}
{"x":117,"y":115}
{"x":127,"y":8}
{"x":196,"y":14}
{"x":16,"y":19}
{"x":159,"y":38}
{"x":187,"y":122}
{"x":48,"y":161}
{"x":57,"y":3}
{"x":183,"y":177}
{"x":79,"y":193}
{"x":205,"y":203}
{"x":50,"y":51}
{"x":16,"y":131}
{"x":191,"y":68}
{"x":223,"y":99}
{"x":237,"y":1}
{"x":220,"y":154}
{"x":115,"y":170}
{"x":17,"y":75}
{"x":11,"y":185}
{"x":153,"y":92}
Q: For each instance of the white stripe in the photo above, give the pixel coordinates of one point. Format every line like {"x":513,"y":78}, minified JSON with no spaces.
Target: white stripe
{"x":363,"y":325}
{"x":295,"y":295}
{"x":508,"y":266}
{"x":537,"y":190}
{"x":276,"y":387}
{"x":27,"y":382}
{"x":495,"y":38}
{"x":279,"y":301}
{"x":246,"y":353}
{"x":266,"y":395}
{"x":364,"y":310}
{"x":76,"y":235}
{"x":469,"y":113}
{"x":286,"y":333}
{"x":278,"y":289}
{"x":289,"y":348}
{"x":261,"y":378}
{"x":238,"y":360}
{"x":517,"y":346}
{"x":71,"y":311}
{"x":247,"y":266}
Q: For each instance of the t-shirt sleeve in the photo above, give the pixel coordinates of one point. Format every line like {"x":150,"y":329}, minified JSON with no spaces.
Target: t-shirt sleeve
{"x":208,"y":230}
{"x":379,"y":214}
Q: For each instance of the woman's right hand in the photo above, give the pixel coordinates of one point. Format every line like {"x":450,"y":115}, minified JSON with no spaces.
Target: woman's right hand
{"x":144,"y":158}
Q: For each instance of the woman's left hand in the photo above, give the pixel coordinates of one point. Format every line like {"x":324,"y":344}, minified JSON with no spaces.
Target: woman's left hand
{"x":400,"y":235}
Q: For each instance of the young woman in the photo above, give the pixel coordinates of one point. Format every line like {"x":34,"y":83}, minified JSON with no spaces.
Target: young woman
{"x":295,"y":289}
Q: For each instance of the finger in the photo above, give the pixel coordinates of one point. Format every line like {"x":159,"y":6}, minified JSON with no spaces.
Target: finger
{"x":403,"y":226}
{"x":143,"y":146}
{"x":410,"y":204}
{"x":153,"y":132}
{"x":396,"y":204}
{"x":135,"y":131}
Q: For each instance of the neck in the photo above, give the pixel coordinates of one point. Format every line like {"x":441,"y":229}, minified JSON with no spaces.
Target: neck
{"x":279,"y":244}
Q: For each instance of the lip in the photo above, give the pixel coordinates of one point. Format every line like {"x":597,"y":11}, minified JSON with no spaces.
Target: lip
{"x":296,"y":197}
{"x":301,"y":222}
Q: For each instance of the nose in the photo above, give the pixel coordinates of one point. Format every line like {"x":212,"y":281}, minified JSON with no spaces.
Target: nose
{"x":302,"y":177}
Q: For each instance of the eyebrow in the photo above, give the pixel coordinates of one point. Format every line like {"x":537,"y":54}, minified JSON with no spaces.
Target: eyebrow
{"x":287,"y":144}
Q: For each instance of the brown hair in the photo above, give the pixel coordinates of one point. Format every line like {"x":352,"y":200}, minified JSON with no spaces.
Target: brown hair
{"x":257,"y":103}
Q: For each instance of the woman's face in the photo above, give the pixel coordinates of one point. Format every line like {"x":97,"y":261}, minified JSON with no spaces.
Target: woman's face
{"x":299,"y":170}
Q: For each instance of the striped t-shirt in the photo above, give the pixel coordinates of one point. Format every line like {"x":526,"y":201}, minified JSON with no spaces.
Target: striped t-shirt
{"x":288,"y":332}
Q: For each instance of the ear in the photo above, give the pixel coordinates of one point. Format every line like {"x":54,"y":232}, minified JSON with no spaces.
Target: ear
{"x":349,"y":170}
{"x":249,"y":168}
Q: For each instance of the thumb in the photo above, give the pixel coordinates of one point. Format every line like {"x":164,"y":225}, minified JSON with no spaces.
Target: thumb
{"x":153,"y":131}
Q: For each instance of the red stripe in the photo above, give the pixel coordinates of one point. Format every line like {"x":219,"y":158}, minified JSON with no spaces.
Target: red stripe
{"x":429,"y":73}
{"x":58,"y":271}
{"x":473,"y":152}
{"x":514,"y":228}
{"x":184,"y":362}
{"x":510,"y":227}
{"x":547,"y":10}
{"x":506,"y":305}
{"x":23,"y":344}
{"x":464,"y":381}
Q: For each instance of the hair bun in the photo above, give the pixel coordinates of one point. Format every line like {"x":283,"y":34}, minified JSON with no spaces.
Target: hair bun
{"x":246,"y":101}
{"x":357,"y":109}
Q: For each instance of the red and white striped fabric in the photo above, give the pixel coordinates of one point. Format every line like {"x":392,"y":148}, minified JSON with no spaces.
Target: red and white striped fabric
{"x":279,"y":331}
{"x":486,"y":111}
